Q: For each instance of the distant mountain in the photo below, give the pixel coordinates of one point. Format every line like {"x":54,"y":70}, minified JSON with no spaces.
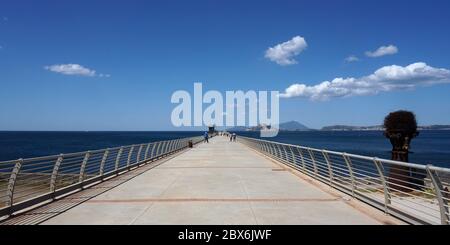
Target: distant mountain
{"x":238,"y":129}
{"x":352,"y":128}
{"x":293,"y":126}
{"x":435,"y":127}
{"x":287,"y":126}
{"x":296,"y":126}
{"x":379,"y":128}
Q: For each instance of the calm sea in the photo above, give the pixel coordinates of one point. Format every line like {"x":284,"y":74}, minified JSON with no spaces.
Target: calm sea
{"x":14,"y":145}
{"x":431,"y":147}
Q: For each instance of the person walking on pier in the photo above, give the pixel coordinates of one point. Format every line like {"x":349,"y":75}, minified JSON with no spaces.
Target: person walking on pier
{"x":206,"y":136}
{"x":233,"y":137}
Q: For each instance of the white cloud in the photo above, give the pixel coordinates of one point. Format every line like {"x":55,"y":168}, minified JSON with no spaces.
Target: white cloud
{"x":284,"y":53}
{"x":104,"y":75}
{"x":382,"y":51}
{"x":74,"y":69}
{"x":385,"y":79}
{"x":352,"y":58}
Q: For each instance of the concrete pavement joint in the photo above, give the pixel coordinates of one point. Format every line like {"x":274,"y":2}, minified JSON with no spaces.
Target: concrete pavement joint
{"x":145,"y":200}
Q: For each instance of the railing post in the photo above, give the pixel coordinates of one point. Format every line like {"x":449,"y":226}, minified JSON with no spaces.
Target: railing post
{"x":285,"y":152}
{"x":330,"y":170}
{"x":55,"y":173}
{"x":165,"y":149}
{"x":83,"y":166}
{"x":116,"y":166}
{"x":102,"y":163}
{"x":129,"y":156}
{"x":294,"y":160}
{"x":146,"y":151}
{"x":278,"y":151}
{"x":272,"y":150}
{"x":350,"y":170}
{"x":313,"y":159}
{"x":438,"y":187}
{"x":263,"y":147}
{"x":155,"y":149}
{"x":300,"y":152}
{"x":138,"y":158}
{"x":266,"y":148}
{"x":170,"y":146}
{"x":387,"y":196}
{"x":12,"y":182}
{"x":160,"y":149}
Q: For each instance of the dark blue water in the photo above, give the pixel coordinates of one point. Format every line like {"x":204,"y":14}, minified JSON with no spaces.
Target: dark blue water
{"x":14,"y":145}
{"x":430,"y":147}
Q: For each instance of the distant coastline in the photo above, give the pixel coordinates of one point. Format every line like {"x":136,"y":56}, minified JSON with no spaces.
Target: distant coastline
{"x":296,"y":126}
{"x":379,"y":128}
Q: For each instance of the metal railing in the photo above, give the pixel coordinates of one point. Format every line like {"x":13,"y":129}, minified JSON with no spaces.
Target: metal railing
{"x":27,"y":182}
{"x":417,"y":194}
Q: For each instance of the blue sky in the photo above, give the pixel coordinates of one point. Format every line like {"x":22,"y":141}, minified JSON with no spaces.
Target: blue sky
{"x":143,"y":51}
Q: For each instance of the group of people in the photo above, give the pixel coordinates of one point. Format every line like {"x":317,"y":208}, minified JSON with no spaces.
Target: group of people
{"x":232,"y":136}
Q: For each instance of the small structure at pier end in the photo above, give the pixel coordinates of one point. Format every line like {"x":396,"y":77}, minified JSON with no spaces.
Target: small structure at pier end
{"x":212,"y":130}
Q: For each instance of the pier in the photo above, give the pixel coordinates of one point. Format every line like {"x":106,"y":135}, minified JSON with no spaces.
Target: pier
{"x":245,"y":182}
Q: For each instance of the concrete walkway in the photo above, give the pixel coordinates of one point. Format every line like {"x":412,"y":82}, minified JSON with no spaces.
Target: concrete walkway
{"x":216,"y":183}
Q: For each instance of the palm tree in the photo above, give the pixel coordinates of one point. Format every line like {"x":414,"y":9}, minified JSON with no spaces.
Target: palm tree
{"x":400,"y":128}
